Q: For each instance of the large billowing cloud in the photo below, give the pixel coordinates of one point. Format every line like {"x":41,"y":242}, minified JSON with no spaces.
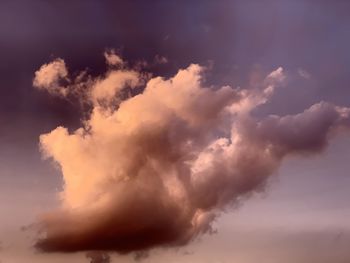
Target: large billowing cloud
{"x":155,"y":169}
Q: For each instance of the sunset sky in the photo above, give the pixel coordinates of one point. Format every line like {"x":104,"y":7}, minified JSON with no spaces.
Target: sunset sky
{"x":175,"y":131}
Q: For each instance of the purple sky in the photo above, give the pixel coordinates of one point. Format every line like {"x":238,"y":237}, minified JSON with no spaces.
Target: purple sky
{"x":302,"y":216}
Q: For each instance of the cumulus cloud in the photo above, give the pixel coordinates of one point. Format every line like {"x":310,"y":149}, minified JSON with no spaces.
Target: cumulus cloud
{"x":155,"y":169}
{"x":50,"y":76}
{"x":105,"y":90}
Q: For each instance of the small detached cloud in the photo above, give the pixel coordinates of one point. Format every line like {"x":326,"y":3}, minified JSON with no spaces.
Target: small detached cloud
{"x":50,"y":77}
{"x":112,"y":59}
{"x":158,"y":59}
{"x":304,"y":74}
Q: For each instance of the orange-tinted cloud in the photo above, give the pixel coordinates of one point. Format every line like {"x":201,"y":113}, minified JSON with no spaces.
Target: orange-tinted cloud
{"x":49,"y":77}
{"x":156,"y":168}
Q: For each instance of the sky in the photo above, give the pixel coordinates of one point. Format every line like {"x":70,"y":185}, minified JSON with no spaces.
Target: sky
{"x":265,"y":184}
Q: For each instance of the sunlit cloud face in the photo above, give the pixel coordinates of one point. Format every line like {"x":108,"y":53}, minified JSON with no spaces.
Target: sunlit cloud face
{"x":155,"y":169}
